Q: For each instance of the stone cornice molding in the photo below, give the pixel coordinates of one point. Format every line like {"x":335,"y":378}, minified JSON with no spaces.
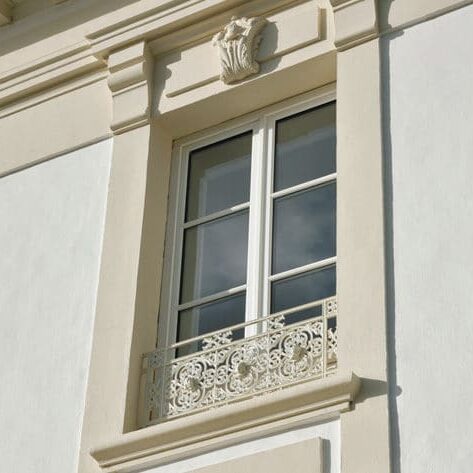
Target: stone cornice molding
{"x":48,"y":71}
{"x":91,"y":53}
{"x":130,"y":83}
{"x":356,"y":21}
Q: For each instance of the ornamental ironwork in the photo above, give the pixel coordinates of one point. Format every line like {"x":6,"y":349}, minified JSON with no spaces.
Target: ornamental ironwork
{"x":222,"y":367}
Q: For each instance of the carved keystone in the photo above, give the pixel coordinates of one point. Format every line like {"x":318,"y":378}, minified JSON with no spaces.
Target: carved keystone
{"x":238,"y":45}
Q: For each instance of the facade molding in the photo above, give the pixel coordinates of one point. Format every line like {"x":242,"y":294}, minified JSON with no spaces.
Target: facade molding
{"x":47,"y":72}
{"x":91,"y":53}
{"x":198,"y":433}
{"x":130,"y":82}
{"x":356,"y":21}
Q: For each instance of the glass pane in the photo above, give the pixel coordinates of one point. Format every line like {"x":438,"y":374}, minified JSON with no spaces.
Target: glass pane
{"x":302,"y":289}
{"x":304,"y":228}
{"x":301,"y":315}
{"x":215,"y":256}
{"x":219,"y":176}
{"x":208,"y":318}
{"x":305,"y":147}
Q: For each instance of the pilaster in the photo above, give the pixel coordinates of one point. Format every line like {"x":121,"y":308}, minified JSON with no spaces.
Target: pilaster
{"x":127,"y":300}
{"x":360,"y":235}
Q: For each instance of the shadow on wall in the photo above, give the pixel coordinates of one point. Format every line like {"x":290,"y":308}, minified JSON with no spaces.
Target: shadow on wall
{"x":392,"y":389}
{"x":373,"y":388}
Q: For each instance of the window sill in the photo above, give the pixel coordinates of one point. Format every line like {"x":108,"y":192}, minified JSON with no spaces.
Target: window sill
{"x":242,"y":421}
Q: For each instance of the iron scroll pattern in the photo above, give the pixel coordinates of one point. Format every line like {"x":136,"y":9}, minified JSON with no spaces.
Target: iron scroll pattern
{"x":226,"y":370}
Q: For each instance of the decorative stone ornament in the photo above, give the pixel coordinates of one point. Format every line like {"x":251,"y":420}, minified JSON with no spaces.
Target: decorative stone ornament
{"x":238,"y":45}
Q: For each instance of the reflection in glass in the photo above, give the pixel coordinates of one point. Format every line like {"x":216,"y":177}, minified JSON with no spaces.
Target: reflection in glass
{"x":208,"y":318}
{"x":302,"y":289}
{"x":305,"y":147}
{"x":215,"y":256}
{"x":301,"y":315}
{"x":304,"y":228}
{"x":219,"y":176}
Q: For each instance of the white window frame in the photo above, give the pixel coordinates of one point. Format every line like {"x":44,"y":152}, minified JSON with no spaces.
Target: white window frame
{"x":259,"y":278}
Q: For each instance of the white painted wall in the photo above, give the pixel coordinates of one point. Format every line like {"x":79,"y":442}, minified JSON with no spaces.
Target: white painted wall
{"x":431,"y":101}
{"x":52,"y":218}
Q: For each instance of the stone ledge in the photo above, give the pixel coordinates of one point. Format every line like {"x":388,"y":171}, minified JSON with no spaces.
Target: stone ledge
{"x":217,"y":428}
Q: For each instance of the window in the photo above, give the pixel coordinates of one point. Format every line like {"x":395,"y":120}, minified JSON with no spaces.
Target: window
{"x":252,"y":225}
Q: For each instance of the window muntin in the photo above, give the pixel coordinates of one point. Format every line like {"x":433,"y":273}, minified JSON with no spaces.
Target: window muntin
{"x":239,"y":259}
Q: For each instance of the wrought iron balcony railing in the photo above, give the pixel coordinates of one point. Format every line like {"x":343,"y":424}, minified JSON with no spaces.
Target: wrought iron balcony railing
{"x":277,"y":351}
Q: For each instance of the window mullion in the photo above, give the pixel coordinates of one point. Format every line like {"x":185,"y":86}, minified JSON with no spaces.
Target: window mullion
{"x":256,"y":225}
{"x":268,"y":220}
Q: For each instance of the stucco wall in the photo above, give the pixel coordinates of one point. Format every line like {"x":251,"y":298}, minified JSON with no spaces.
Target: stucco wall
{"x":430,"y":104}
{"x":51,"y":233}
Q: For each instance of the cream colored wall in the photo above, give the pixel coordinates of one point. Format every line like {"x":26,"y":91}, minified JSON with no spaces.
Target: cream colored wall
{"x":62,"y":121}
{"x":55,"y":97}
{"x":308,"y":437}
{"x":307,"y":455}
{"x":52,"y":219}
{"x":429,"y":141}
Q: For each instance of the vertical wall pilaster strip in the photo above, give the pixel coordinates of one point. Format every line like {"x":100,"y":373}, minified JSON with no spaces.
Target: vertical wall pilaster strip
{"x":127,"y":301}
{"x":360,"y":264}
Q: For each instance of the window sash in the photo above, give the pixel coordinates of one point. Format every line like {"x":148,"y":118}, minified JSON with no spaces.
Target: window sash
{"x":259,"y":277}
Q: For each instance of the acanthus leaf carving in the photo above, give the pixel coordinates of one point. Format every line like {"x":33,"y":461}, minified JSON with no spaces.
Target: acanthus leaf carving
{"x":238,"y":45}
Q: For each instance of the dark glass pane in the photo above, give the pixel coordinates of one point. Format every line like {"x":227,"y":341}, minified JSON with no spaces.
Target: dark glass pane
{"x":302,"y":315}
{"x":305,"y":147}
{"x":208,"y":318}
{"x":304,"y":228}
{"x":302,"y":289}
{"x":219,"y":176}
{"x":215,"y":256}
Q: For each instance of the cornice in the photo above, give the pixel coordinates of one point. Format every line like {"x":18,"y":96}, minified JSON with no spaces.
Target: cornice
{"x":92,"y":53}
{"x":47,"y":72}
{"x":169,"y":16}
{"x":169,"y":25}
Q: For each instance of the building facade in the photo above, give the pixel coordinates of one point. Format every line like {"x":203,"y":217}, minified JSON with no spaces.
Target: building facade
{"x":236,"y":236}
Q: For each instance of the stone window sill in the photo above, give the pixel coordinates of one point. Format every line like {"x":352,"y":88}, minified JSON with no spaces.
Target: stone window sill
{"x":217,"y":428}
